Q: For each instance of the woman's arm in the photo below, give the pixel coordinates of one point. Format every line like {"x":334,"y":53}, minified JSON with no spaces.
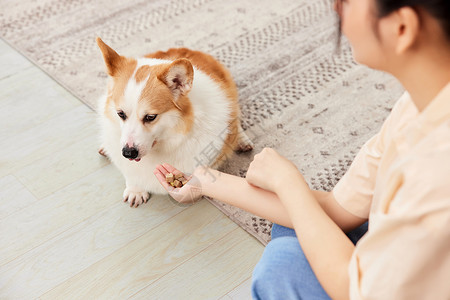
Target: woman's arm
{"x":238,"y":192}
{"x":344,"y":219}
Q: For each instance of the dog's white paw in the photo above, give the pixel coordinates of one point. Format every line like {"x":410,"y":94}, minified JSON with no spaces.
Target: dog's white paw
{"x":135,"y":198}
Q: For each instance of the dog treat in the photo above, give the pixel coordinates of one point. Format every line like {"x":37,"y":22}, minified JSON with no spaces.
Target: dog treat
{"x":176,"y":183}
{"x":169,"y":177}
{"x":177,"y":180}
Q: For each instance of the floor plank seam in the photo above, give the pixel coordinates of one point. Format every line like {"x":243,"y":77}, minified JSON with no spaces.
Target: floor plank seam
{"x":13,"y":74}
{"x":51,"y":194}
{"x":112,"y":253}
{"x":191,"y":257}
{"x":53,"y":238}
{"x":237,"y":286}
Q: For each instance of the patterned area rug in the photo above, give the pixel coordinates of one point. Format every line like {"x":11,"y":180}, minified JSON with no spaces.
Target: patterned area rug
{"x":297,"y":95}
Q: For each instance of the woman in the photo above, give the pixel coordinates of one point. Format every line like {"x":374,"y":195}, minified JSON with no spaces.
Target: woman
{"x":399,"y":181}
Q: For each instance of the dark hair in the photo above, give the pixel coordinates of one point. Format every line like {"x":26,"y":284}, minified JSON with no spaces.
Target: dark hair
{"x":439,"y":9}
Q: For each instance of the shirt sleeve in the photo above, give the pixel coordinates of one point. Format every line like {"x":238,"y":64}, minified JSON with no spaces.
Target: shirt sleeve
{"x":354,"y":191}
{"x":412,"y":238}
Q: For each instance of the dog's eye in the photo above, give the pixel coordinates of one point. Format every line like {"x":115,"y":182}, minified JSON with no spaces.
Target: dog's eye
{"x":122,"y":115}
{"x":149,"y":118}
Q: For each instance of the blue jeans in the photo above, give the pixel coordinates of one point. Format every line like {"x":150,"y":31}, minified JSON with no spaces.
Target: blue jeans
{"x":283,"y":271}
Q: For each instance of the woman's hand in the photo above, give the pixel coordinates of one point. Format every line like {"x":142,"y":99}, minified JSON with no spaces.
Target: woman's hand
{"x":272,"y":171}
{"x":189,"y":193}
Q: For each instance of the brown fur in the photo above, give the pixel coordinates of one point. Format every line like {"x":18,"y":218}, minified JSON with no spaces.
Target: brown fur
{"x":120,"y":69}
{"x":221,"y":75}
{"x":154,"y":91}
{"x":142,"y":73}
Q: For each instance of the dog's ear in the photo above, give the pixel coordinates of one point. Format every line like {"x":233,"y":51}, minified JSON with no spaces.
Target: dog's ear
{"x":113,"y":60}
{"x":178,"y":77}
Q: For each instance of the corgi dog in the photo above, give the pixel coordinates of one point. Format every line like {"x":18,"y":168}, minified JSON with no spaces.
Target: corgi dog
{"x":178,"y":107}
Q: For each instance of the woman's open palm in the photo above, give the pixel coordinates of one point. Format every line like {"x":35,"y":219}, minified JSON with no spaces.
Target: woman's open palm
{"x":189,"y":193}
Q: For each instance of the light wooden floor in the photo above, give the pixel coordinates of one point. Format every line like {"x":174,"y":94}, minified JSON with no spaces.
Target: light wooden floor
{"x":64,"y":231}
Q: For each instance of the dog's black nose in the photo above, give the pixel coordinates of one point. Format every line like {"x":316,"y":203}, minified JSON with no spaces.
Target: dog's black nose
{"x":130,"y":153}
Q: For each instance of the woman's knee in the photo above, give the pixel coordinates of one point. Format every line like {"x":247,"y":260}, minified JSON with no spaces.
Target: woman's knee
{"x":277,"y":271}
{"x":283,"y":272}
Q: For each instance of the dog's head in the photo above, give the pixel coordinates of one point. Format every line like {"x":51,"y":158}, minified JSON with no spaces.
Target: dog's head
{"x":148,"y":99}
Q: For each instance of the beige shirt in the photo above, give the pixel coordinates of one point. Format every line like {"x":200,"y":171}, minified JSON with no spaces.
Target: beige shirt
{"x":400,"y":180}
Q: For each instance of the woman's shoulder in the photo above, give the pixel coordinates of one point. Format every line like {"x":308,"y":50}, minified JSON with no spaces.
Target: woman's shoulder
{"x":429,"y":160}
{"x":425,"y":173}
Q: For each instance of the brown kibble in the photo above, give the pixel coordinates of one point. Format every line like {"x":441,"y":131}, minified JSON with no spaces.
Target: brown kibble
{"x":177,"y":180}
{"x":177,"y":183}
{"x":169,"y":177}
